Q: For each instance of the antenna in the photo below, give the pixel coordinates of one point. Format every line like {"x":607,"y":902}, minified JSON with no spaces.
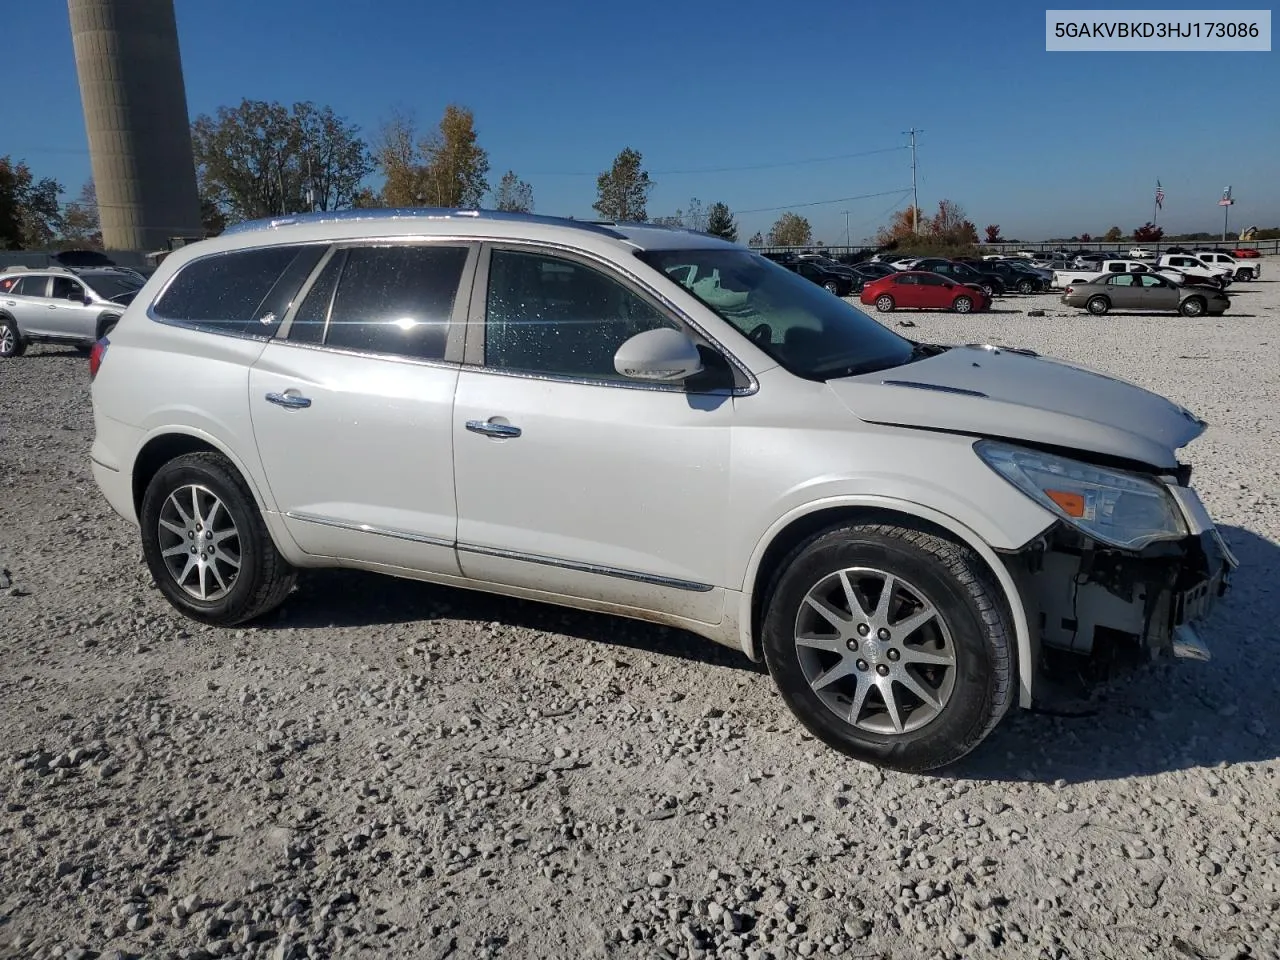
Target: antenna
{"x":915,"y":196}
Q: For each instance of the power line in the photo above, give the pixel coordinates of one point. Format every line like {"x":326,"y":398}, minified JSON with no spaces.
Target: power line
{"x":756,"y":166}
{"x":818,"y":203}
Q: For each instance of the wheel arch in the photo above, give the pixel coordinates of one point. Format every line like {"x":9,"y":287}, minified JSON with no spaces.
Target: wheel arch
{"x":105,"y":317}
{"x":804,"y":522}
{"x":166,"y":444}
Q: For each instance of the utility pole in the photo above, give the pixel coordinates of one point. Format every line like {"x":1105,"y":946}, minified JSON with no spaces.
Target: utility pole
{"x":848,"y":239}
{"x":915,"y":196}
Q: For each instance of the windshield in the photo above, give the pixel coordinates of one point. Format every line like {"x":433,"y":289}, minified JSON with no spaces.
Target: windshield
{"x":800,"y":325}
{"x":110,"y":287}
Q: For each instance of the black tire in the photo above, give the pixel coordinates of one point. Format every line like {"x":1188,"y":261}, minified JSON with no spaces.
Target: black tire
{"x":966,"y":597}
{"x":884,"y":303}
{"x":1193,"y":307}
{"x":962,"y":304}
{"x":1098,"y":306}
{"x":12,"y":343}
{"x":832,"y":287}
{"x":1026,"y":286}
{"x":988,"y":290}
{"x":264,"y":578}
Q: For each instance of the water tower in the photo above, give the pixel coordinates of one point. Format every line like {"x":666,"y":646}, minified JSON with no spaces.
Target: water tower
{"x":135,"y":113}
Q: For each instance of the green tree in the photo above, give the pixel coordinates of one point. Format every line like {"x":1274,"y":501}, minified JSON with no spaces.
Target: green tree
{"x":261,"y":159}
{"x":1114,"y":235}
{"x":455,"y":164}
{"x":30,"y":217}
{"x":623,"y":190}
{"x":720,"y":222}
{"x":756,"y":240}
{"x":514,"y":194}
{"x":790,"y":230}
{"x":80,"y":222}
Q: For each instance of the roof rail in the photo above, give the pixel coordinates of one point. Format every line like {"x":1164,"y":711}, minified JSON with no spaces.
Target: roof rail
{"x":376,"y":214}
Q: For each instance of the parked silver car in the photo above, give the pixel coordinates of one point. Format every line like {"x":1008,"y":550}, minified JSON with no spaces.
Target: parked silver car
{"x":1144,"y":291}
{"x":60,"y":305}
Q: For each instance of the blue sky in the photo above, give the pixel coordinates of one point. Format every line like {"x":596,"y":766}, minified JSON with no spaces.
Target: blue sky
{"x":1040,"y":143}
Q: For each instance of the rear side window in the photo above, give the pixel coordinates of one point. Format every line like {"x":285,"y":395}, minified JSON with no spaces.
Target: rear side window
{"x":244,"y":293}
{"x":7,"y":284}
{"x":394,"y":300}
{"x":33,"y":286}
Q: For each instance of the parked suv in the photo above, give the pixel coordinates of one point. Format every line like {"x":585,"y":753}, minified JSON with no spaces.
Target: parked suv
{"x":60,"y":305}
{"x":652,"y":423}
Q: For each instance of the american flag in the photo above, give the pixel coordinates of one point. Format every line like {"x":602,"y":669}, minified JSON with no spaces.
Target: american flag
{"x":1159,"y":195}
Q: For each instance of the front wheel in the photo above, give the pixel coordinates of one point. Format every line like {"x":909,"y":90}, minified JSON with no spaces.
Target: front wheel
{"x":884,"y":303}
{"x":1098,"y":306}
{"x":1192,"y":307}
{"x":1026,"y":286}
{"x":962,"y":305}
{"x":890,"y":645}
{"x":832,"y":287}
{"x":206,"y":544}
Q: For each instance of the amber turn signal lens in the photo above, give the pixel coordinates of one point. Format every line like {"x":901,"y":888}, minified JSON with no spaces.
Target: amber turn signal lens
{"x":1072,"y":504}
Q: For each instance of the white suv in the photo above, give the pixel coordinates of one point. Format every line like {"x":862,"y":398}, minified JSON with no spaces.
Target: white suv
{"x":654,"y":423}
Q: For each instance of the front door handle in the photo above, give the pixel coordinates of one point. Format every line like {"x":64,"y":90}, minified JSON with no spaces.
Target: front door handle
{"x":290,"y":401}
{"x":491,"y":429}
{"x":53,"y":306}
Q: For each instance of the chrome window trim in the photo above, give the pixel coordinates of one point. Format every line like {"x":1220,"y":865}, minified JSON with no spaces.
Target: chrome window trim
{"x":198,"y":326}
{"x":368,"y":528}
{"x":615,"y":270}
{"x":596,"y":568}
{"x":366,"y":355}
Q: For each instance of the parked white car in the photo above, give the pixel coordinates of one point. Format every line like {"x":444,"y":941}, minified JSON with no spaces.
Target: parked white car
{"x":1196,"y":267}
{"x":1141,"y":253}
{"x":653,"y":423}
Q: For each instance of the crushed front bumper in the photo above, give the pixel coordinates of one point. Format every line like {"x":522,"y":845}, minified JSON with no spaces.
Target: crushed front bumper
{"x":1079,"y":592}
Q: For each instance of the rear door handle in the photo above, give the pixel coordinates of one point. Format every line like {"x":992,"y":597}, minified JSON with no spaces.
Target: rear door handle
{"x":491,"y":429}
{"x":291,"y":401}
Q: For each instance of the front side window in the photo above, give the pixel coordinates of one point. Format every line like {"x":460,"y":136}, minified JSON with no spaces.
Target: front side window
{"x":64,"y":288}
{"x":238,"y":293}
{"x":557,"y":317}
{"x":804,"y":329}
{"x":1150,"y":280}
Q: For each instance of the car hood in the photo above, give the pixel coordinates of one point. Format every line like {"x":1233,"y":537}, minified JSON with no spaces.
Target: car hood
{"x":1017,"y":395}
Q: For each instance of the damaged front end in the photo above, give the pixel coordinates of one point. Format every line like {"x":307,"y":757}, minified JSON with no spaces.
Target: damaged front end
{"x":1134,"y":555}
{"x":1079,"y":591}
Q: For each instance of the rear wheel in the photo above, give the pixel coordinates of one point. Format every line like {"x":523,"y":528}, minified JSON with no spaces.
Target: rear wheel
{"x":1098,"y":306}
{"x":11,"y":342}
{"x":1193,"y":307}
{"x":207,"y":545}
{"x":890,"y":645}
{"x":884,"y":303}
{"x":962,"y":304}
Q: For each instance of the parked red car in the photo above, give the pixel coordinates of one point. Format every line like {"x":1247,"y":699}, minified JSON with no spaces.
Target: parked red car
{"x":919,"y":290}
{"x":1245,"y":253}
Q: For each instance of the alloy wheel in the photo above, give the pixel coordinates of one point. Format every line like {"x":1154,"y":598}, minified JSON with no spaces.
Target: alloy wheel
{"x":875,"y":650}
{"x":8,"y":341}
{"x":199,"y":542}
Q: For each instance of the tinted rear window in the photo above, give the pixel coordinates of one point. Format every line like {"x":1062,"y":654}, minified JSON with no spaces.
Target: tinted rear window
{"x":238,"y":293}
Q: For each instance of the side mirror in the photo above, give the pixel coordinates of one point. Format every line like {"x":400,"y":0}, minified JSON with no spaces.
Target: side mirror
{"x":658,"y":356}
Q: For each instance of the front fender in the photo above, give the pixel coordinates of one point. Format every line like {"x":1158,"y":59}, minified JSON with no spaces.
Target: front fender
{"x":1027,"y":642}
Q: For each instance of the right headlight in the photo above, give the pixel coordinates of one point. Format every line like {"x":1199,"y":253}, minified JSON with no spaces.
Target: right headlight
{"x":1118,"y":508}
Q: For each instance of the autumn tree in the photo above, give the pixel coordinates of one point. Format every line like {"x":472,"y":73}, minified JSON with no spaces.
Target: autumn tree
{"x":950,"y":225}
{"x":29,"y":214}
{"x":396,"y":152}
{"x":1114,"y":235}
{"x":261,"y":159}
{"x":1148,"y":233}
{"x":514,"y":194}
{"x":902,"y":225}
{"x":80,"y":222}
{"x":756,"y":240}
{"x":623,"y":190}
{"x":993,"y":233}
{"x":720,"y":222}
{"x":790,"y":230}
{"x":1086,"y":238}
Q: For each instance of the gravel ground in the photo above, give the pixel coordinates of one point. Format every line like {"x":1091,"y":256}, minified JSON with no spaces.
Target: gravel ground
{"x":391,"y":769}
